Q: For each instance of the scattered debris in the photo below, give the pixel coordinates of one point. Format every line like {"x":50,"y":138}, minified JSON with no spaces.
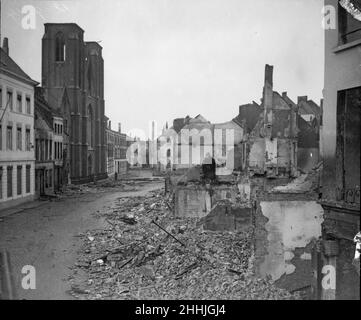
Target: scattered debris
{"x":100,"y":261}
{"x":165,"y":257}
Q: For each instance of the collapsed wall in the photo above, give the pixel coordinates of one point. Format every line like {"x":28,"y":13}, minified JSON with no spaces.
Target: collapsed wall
{"x":287,"y":222}
{"x":222,"y":205}
{"x":286,"y":228}
{"x":283,"y":213}
{"x":197,"y":200}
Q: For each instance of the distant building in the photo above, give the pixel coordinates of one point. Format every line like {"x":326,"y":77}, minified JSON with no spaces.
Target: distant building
{"x":116,"y":150}
{"x":50,"y":171}
{"x":120,"y":153}
{"x":192,"y":143}
{"x":192,"y":140}
{"x":17,"y":157}
{"x":109,"y":138}
{"x":308,"y":110}
{"x":309,"y":120}
{"x":227,"y":147}
{"x":340,"y":195}
{"x":73,"y":80}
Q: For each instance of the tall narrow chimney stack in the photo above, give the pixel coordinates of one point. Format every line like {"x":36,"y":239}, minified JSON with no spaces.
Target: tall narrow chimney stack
{"x":6,"y":45}
{"x":268,"y":77}
{"x":268,"y":95}
{"x":119,"y":127}
{"x":153,"y":130}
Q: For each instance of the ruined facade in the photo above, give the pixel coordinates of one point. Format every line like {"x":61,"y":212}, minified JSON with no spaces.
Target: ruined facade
{"x":270,"y":146}
{"x":73,"y":80}
{"x":280,"y":135}
{"x":309,"y":121}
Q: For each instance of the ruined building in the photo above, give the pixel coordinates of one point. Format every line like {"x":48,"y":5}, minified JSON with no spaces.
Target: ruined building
{"x":271,"y":144}
{"x":73,"y":82}
{"x":277,"y":139}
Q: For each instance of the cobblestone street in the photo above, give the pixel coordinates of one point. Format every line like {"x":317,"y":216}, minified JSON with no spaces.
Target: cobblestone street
{"x":46,"y":236}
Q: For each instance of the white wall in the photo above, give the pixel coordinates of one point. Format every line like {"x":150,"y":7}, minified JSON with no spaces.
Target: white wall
{"x":16,"y":157}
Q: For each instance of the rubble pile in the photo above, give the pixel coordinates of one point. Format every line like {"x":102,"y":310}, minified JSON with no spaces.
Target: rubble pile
{"x":305,"y":183}
{"x":74,"y":191}
{"x":146,"y":253}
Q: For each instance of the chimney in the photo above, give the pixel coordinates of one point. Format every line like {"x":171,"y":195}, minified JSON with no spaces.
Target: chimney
{"x":284,"y":94}
{"x":6,"y":45}
{"x":268,"y":95}
{"x":268,"y":76}
{"x":40,"y":92}
{"x":301,"y":98}
{"x":110,"y":125}
{"x":119,"y":127}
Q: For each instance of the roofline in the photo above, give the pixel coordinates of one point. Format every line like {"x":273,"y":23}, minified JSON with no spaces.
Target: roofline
{"x":40,"y":108}
{"x":20,"y":78}
{"x":114,"y":131}
{"x":95,"y":42}
{"x":62,"y":24}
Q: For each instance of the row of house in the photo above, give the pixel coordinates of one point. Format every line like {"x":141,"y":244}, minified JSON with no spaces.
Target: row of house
{"x":56,"y":132}
{"x":17,"y":157}
{"x":276,"y":137}
{"x":116,"y":150}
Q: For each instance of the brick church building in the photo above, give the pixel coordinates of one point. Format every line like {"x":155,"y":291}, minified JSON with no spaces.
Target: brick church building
{"x":73,"y":82}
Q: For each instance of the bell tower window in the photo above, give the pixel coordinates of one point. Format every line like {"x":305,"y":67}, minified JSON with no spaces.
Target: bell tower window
{"x":59,"y":47}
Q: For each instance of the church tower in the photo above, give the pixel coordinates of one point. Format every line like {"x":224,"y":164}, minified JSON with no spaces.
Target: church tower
{"x":73,"y":81}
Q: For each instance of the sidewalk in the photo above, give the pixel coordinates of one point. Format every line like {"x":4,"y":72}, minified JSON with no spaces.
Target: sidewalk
{"x":21,"y":207}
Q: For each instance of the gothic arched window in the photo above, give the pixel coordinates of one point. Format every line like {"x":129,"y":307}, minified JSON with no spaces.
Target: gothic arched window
{"x":89,"y":76}
{"x":90,"y":139}
{"x":59,"y":47}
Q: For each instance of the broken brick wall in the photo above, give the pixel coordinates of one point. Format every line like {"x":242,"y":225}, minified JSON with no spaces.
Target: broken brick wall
{"x":340,"y":226}
{"x":278,"y":153}
{"x":285,"y":227}
{"x":227,"y":217}
{"x":196,"y":200}
{"x":256,"y":156}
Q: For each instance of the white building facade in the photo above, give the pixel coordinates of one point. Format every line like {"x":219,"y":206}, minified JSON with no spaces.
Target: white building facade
{"x":17,"y":156}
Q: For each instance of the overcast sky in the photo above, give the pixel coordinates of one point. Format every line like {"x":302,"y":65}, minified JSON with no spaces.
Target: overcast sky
{"x":165,"y":59}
